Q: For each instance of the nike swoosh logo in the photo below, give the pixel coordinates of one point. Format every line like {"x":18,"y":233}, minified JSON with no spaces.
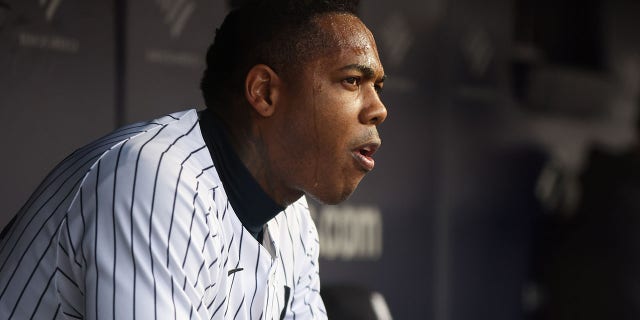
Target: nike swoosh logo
{"x":232,"y":271}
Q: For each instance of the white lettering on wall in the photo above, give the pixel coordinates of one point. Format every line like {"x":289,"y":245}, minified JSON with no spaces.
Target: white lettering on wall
{"x":350,"y":233}
{"x":50,"y":8}
{"x":48,"y":42}
{"x":176,"y":14}
{"x":169,"y":57}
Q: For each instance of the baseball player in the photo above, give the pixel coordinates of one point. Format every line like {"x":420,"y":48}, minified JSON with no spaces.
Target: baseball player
{"x":202,"y":215}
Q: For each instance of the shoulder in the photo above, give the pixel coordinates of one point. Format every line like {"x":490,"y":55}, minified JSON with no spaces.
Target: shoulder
{"x":164,"y":144}
{"x":127,"y":140}
{"x":172,"y":131}
{"x":146,"y":160}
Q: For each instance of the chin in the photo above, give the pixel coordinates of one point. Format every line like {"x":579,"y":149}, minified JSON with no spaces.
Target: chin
{"x":333,"y":196}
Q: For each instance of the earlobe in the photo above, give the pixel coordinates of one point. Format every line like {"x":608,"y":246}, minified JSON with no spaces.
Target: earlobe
{"x":261,"y":89}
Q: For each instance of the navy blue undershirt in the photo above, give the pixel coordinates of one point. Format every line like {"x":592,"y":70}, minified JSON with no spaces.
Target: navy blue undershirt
{"x":251,"y":204}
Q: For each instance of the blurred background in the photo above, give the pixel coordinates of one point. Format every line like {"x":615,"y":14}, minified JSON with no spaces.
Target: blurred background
{"x":508,"y":184}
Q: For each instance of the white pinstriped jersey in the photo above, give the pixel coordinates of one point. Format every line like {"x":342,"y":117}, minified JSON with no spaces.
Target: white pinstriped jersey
{"x":137,"y":225}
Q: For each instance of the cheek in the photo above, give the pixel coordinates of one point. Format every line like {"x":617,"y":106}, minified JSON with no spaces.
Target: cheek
{"x":325,"y":124}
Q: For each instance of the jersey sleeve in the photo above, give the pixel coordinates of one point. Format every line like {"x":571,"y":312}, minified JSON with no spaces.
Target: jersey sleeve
{"x":145,"y":248}
{"x":306,"y":302}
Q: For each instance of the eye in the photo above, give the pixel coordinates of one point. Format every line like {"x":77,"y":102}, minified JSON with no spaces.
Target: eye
{"x":352,"y":81}
{"x":378,"y":88}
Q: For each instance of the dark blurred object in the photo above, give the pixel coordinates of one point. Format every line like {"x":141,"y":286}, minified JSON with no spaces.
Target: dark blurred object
{"x":567,"y":32}
{"x":570,"y":92}
{"x":559,"y":57}
{"x":236,"y":3}
{"x":4,"y":13}
{"x":591,"y":261}
{"x":351,"y":302}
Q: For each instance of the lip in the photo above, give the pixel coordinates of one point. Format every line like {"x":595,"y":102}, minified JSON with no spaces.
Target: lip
{"x":363,"y":155}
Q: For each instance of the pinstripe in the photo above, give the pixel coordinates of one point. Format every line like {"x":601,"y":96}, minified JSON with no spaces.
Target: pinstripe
{"x":55,"y":315}
{"x":218,"y":308}
{"x":49,"y":179}
{"x":173,"y":299}
{"x":74,"y":310}
{"x":115,"y":230}
{"x":226,"y":259}
{"x":204,"y":170}
{"x":206,"y":236}
{"x":293,"y":258}
{"x":173,"y":210}
{"x":310,"y":308}
{"x":255,"y":290}
{"x":35,"y":310}
{"x":84,"y":225}
{"x":75,"y":284}
{"x":23,"y":232}
{"x":239,"y":307}
{"x":213,"y":263}
{"x":46,"y":183}
{"x":153,"y":198}
{"x":133,"y":197}
{"x":95,"y":243}
{"x":224,"y":214}
{"x":15,"y":306}
{"x":193,"y":216}
{"x":105,"y":203}
{"x":237,"y":265}
{"x":72,"y":246}
{"x":66,"y":253}
{"x":13,"y":273}
{"x":57,"y":172}
{"x":72,"y":315}
{"x":304,"y":248}
{"x":151,"y":214}
{"x":199,"y":306}
{"x":18,"y":221}
{"x":175,"y":198}
{"x":284,"y":268}
{"x":197,"y":276}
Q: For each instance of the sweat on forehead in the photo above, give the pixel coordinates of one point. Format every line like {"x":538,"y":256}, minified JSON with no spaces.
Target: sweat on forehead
{"x":328,"y":34}
{"x":342,"y":28}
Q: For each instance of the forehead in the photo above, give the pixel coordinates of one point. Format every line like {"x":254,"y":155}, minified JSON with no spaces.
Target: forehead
{"x":345,"y":30}
{"x":348,"y":42}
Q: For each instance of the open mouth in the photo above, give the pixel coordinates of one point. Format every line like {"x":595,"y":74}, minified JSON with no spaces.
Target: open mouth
{"x":367,"y":151}
{"x":364,"y":155}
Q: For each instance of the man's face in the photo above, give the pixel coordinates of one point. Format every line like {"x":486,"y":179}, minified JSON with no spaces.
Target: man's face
{"x":329,"y":114}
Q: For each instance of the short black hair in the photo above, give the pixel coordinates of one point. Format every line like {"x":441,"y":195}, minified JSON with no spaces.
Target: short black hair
{"x":277,"y":33}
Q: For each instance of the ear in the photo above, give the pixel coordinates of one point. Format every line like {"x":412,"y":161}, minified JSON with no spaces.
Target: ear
{"x":262,"y":86}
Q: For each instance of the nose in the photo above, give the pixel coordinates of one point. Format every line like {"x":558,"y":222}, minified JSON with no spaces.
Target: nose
{"x":374,"y":111}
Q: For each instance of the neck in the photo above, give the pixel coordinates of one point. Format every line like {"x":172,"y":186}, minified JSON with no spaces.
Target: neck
{"x":249,"y":140}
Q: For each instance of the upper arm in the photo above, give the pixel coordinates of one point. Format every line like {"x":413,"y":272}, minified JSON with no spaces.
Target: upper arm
{"x":145,"y":248}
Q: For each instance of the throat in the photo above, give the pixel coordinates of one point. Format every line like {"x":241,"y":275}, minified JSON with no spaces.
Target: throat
{"x":252,"y":205}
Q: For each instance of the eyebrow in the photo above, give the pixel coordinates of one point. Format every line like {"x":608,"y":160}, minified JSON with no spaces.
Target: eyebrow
{"x":365,"y":70}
